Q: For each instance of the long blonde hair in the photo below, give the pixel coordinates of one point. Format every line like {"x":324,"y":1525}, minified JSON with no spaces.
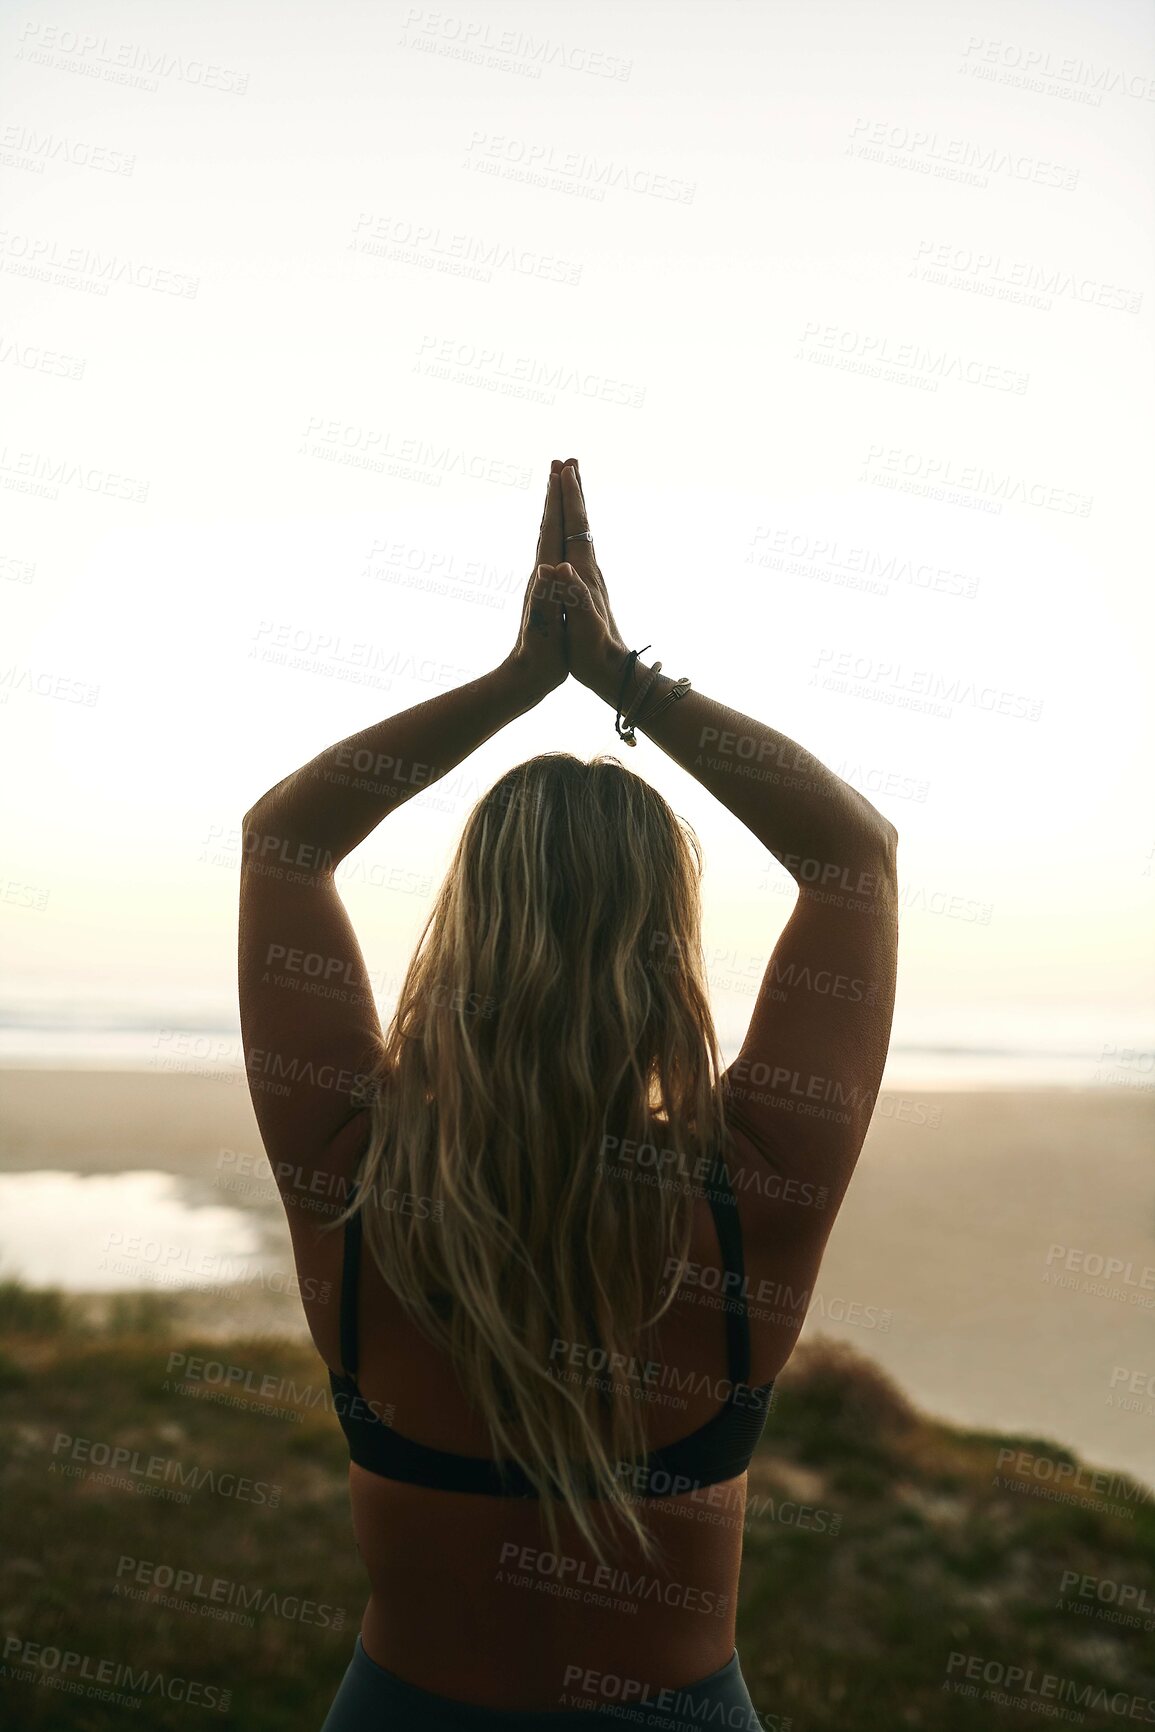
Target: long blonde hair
{"x":556,"y":1002}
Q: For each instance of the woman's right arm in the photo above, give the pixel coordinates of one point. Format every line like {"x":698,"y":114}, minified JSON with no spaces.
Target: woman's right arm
{"x":820,"y":828}
{"x":805,"y":1082}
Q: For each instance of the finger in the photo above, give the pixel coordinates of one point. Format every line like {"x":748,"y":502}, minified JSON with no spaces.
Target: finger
{"x":549,"y":532}
{"x":597,"y":568}
{"x":544,"y":616}
{"x":577,"y":594}
{"x":538,"y":552}
{"x":541,"y":579}
{"x":580,"y":554}
{"x":550,"y":547}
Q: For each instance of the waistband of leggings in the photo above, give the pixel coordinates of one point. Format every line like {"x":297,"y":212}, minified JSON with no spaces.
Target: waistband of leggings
{"x":660,"y":1708}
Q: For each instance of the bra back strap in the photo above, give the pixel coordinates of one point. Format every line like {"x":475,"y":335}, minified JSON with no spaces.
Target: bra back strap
{"x":350,"y":1272}
{"x":728,"y":1224}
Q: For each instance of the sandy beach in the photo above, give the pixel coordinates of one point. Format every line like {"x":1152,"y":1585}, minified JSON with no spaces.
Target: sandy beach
{"x":996,"y":1250}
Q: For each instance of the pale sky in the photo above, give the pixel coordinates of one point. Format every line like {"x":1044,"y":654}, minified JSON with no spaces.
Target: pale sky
{"x":674,"y":240}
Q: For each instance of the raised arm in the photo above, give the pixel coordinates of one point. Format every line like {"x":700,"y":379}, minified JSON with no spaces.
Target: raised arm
{"x":309,"y":1026}
{"x":328,"y":807}
{"x":823,"y":831}
{"x":813,"y":822}
{"x":805,"y":1082}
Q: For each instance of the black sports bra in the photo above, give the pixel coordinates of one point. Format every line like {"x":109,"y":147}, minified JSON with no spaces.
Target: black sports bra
{"x":718,"y":1450}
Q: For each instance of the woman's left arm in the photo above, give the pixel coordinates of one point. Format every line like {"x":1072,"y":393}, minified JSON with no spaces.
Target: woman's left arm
{"x":321,"y":812}
{"x":309,"y":1027}
{"x":324,"y":810}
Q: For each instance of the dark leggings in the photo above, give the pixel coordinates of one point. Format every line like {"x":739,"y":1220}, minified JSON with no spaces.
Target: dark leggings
{"x":371,"y":1699}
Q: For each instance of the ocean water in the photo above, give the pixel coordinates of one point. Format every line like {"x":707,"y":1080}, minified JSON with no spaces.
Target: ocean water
{"x":952,"y":1293}
{"x":111,"y":1232}
{"x":996,"y":1046}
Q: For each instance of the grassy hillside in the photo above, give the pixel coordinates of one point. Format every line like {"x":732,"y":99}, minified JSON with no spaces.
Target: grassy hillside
{"x":898,"y":1572}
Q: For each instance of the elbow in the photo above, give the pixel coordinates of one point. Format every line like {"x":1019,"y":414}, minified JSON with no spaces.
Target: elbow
{"x":250,"y":835}
{"x":878,"y":849}
{"x":887,"y":832}
{"x":890,"y":851}
{"x":254,"y":824}
{"x":258,"y":807}
{"x":863,"y":816}
{"x":877,"y":836}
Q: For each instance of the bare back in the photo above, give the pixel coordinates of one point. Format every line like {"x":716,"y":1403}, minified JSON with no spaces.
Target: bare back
{"x":466,"y":1600}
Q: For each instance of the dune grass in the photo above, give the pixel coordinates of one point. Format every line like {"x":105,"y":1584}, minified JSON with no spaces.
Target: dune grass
{"x":881,"y":1545}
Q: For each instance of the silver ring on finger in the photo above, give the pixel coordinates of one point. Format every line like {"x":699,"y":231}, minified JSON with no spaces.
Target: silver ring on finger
{"x":578,"y":535}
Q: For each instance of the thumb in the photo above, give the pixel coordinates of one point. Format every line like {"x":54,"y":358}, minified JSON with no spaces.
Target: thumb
{"x":547,"y":591}
{"x":577,"y":594}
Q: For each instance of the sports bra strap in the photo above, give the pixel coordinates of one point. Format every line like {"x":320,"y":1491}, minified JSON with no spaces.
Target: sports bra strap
{"x":728,"y":1225}
{"x":350,"y":1271}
